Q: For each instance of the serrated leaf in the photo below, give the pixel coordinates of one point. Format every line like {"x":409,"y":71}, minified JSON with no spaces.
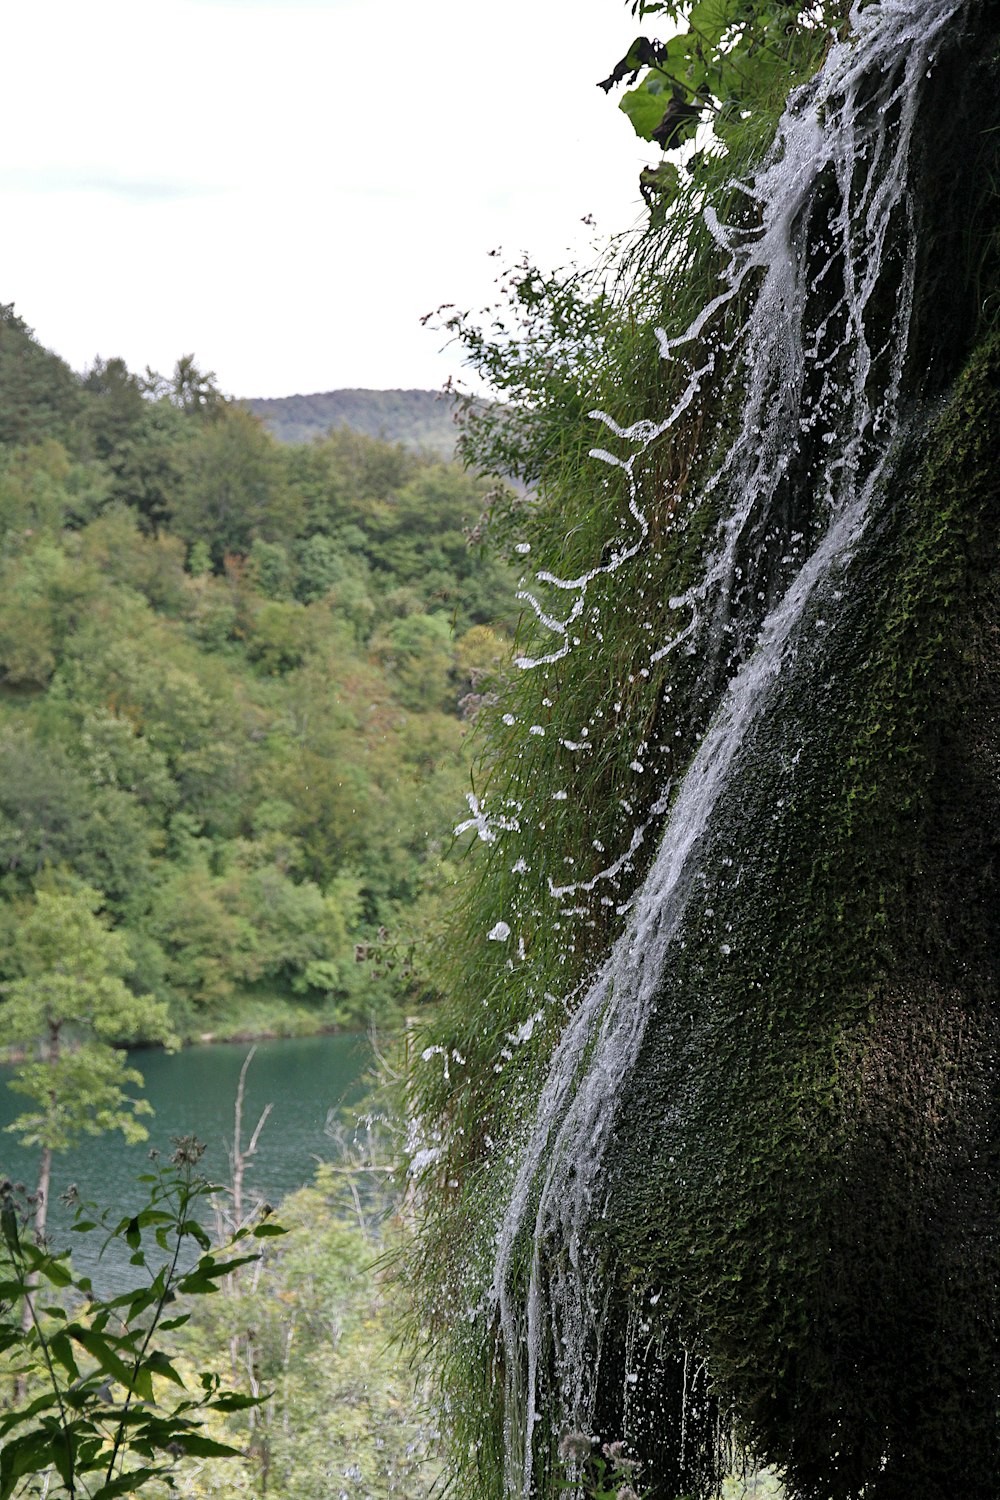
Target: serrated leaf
{"x":233,"y":1401}
{"x":192,"y":1228}
{"x":61,"y":1348}
{"x":159,"y":1364}
{"x":63,"y":1456}
{"x":28,"y":1454}
{"x":56,"y":1272}
{"x":664,"y":181}
{"x":197,"y":1446}
{"x":102,"y":1353}
{"x":126,"y":1484}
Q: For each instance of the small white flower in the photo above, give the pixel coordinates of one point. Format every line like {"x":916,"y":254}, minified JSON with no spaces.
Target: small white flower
{"x":574,"y":1446}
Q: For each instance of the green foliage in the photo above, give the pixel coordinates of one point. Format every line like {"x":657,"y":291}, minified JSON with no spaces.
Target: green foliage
{"x":41,"y":396}
{"x":728,"y":63}
{"x":71,"y":1002}
{"x":232,"y":488}
{"x":201,"y":632}
{"x":315,"y":1331}
{"x":105,"y":1411}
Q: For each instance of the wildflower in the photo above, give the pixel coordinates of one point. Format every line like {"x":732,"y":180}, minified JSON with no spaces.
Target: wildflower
{"x":615,"y":1454}
{"x":575,"y":1446}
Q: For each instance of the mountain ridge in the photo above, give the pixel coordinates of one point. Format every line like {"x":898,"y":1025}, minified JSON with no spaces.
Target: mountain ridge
{"x":421,"y":419}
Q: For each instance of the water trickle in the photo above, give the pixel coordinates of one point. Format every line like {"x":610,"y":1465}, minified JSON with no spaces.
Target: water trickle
{"x":818,"y":357}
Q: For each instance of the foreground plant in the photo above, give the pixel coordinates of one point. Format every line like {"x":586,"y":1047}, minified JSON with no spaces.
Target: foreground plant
{"x":100,"y":1410}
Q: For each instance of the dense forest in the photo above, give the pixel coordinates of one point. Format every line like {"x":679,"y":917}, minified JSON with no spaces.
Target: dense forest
{"x":236,"y":681}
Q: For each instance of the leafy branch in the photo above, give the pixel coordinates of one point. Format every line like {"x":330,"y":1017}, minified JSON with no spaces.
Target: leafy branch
{"x":728,"y":61}
{"x":95,"y":1412}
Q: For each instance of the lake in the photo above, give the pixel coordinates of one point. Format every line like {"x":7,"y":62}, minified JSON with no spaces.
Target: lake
{"x":309,"y":1081}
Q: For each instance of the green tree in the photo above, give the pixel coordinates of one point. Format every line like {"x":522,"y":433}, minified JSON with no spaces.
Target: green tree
{"x":53,"y":814}
{"x":147,"y":462}
{"x":319,"y":566}
{"x":234,"y":487}
{"x":189,"y":389}
{"x":114,"y":405}
{"x":39,"y":394}
{"x":270,"y":569}
{"x":99,"y":1408}
{"x":417,"y":653}
{"x":71,"y":1005}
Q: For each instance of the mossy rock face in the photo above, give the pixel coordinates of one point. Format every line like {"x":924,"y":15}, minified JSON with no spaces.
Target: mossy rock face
{"x":793,"y":1231}
{"x":802,"y":1194}
{"x":809,"y":1208}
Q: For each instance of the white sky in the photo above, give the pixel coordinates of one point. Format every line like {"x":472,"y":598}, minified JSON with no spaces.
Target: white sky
{"x":283,"y":187}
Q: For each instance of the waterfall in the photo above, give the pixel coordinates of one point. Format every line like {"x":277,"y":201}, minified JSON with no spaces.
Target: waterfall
{"x":821,"y":365}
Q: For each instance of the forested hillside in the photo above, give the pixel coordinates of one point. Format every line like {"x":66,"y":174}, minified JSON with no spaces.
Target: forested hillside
{"x":422,"y":420}
{"x":235,"y":686}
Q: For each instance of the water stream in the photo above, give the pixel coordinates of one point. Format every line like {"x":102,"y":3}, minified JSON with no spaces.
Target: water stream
{"x":822,"y":365}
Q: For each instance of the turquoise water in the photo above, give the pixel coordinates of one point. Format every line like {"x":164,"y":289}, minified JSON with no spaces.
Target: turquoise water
{"x":311,"y":1082}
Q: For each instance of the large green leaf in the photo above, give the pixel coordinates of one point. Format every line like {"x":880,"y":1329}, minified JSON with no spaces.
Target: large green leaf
{"x":646,"y":104}
{"x":198,"y":1446}
{"x":29,"y":1454}
{"x":100,"y":1350}
{"x":711,"y":19}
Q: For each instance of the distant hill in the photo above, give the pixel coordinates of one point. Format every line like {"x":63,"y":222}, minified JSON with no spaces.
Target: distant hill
{"x":417,"y":419}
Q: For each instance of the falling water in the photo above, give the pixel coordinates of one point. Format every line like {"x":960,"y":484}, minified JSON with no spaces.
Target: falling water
{"x":821,"y":363}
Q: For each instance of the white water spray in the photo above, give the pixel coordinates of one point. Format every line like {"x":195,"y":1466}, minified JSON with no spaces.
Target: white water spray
{"x":839,"y":376}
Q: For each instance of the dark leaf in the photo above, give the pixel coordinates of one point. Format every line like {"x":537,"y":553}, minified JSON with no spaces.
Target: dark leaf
{"x":101,"y":1351}
{"x":202,"y":1447}
{"x":56,"y":1272}
{"x":232,"y":1401}
{"x":678,"y":122}
{"x":126,"y":1484}
{"x":63,"y":1456}
{"x":61,"y":1348}
{"x":642,"y":54}
{"x":176,"y":1322}
{"x":159,"y":1364}
{"x":29,"y":1454}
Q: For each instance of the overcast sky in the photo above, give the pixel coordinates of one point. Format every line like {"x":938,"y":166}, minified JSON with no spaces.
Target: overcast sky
{"x":283,"y":187}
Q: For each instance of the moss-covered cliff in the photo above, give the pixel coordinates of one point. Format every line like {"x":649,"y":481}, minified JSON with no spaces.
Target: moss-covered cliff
{"x":811,"y":1199}
{"x":792,"y":1240}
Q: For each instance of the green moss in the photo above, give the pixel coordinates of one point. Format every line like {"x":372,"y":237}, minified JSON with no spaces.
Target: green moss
{"x":814,"y":1217}
{"x":798,"y":1212}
